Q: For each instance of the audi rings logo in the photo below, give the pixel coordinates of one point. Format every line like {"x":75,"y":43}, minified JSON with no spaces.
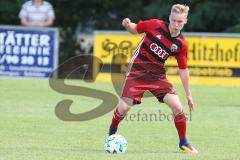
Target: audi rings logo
{"x":159,"y":51}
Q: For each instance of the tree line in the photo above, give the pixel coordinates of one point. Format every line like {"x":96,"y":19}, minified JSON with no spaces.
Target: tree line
{"x":205,"y":15}
{"x":85,"y":16}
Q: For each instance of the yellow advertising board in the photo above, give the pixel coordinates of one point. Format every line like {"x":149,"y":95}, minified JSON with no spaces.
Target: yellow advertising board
{"x":107,"y":46}
{"x":212,"y":58}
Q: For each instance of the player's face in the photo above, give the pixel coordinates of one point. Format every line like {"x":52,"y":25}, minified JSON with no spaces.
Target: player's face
{"x":38,"y":1}
{"x":177,"y":21}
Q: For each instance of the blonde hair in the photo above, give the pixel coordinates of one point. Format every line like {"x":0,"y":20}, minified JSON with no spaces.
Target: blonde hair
{"x":180,"y":8}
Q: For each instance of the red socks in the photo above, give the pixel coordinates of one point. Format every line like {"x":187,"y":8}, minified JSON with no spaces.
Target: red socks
{"x":117,"y":118}
{"x":181,"y":125}
{"x":179,"y":120}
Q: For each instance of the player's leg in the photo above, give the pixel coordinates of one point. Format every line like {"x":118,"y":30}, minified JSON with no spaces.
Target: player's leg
{"x":174,"y":103}
{"x":119,"y":114}
{"x":131,"y":95}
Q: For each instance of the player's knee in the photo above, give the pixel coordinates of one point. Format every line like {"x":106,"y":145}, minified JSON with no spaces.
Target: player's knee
{"x":123,"y":106}
{"x":177,"y":109}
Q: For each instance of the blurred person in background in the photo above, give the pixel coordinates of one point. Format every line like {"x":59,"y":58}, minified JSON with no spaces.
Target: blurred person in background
{"x":37,"y":13}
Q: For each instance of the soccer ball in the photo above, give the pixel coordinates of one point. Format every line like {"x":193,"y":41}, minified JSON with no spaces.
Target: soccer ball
{"x":115,"y":144}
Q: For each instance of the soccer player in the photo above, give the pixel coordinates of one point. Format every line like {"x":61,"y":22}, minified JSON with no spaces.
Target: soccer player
{"x":146,"y":69}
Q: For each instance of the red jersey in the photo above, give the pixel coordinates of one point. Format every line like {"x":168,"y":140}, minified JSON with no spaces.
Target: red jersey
{"x":155,"y":48}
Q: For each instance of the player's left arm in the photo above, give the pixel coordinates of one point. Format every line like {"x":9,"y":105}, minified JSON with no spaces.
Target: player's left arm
{"x":184,"y":75}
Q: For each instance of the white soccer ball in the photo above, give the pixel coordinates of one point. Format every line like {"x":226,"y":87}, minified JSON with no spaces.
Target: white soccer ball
{"x":115,"y":144}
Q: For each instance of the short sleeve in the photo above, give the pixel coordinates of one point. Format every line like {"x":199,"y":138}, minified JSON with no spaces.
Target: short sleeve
{"x":51,"y":13}
{"x":182,"y":58}
{"x":145,"y":26}
{"x":23,"y":12}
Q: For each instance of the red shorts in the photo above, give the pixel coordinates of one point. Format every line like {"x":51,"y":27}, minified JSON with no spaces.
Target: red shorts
{"x":134,"y":89}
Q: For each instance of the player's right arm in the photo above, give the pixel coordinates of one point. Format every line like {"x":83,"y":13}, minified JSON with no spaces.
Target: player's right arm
{"x":129,"y":26}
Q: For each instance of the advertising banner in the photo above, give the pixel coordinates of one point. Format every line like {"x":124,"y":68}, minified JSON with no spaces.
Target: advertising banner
{"x":28,"y":52}
{"x":209,"y":55}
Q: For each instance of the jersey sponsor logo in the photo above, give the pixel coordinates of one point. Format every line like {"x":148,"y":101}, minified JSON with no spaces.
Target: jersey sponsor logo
{"x":159,"y":51}
{"x":174,"y":47}
{"x":159,"y":36}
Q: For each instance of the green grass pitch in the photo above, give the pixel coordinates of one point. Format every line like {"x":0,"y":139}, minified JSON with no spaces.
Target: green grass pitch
{"x":30,"y":130}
